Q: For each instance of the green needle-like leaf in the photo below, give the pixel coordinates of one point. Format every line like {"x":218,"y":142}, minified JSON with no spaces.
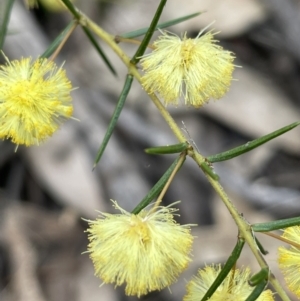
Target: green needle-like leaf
{"x":209,"y":171}
{"x":76,"y":15}
{"x":149,"y":33}
{"x":276,"y":225}
{"x":156,"y":189}
{"x":71,"y":7}
{"x":169,"y":149}
{"x":257,"y":291}
{"x":260,"y":246}
{"x":115,"y":117}
{"x":237,"y":151}
{"x":226,"y":269}
{"x":51,"y":49}
{"x":142,"y":31}
{"x":5,"y":9}
{"x":262,"y":275}
{"x":99,"y":50}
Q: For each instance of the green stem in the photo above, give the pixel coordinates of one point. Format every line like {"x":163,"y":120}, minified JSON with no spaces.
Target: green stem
{"x":279,"y":289}
{"x":106,"y":37}
{"x":246,"y":233}
{"x":244,"y":227}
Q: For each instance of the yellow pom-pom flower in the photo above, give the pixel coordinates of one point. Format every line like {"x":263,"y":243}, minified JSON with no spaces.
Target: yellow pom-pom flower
{"x":146,"y":251}
{"x":197,"y":68}
{"x":234,"y":287}
{"x":289,"y":260}
{"x":34,"y":99}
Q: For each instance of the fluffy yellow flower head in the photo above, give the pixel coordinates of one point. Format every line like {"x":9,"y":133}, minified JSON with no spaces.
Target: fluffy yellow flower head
{"x":146,"y":251}
{"x":34,"y":98}
{"x":197,"y":68}
{"x":289,"y":260}
{"x":235,"y":286}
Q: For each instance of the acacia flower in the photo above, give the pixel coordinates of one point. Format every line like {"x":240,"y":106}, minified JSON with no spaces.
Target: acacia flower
{"x":34,"y":99}
{"x":235,"y":286}
{"x":197,"y":68}
{"x":289,"y":260}
{"x":146,"y":251}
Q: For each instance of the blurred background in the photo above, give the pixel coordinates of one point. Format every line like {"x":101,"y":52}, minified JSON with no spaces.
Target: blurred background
{"x":46,"y":190}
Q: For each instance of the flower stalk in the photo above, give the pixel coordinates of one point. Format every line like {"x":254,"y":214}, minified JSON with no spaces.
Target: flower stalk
{"x":164,"y":190}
